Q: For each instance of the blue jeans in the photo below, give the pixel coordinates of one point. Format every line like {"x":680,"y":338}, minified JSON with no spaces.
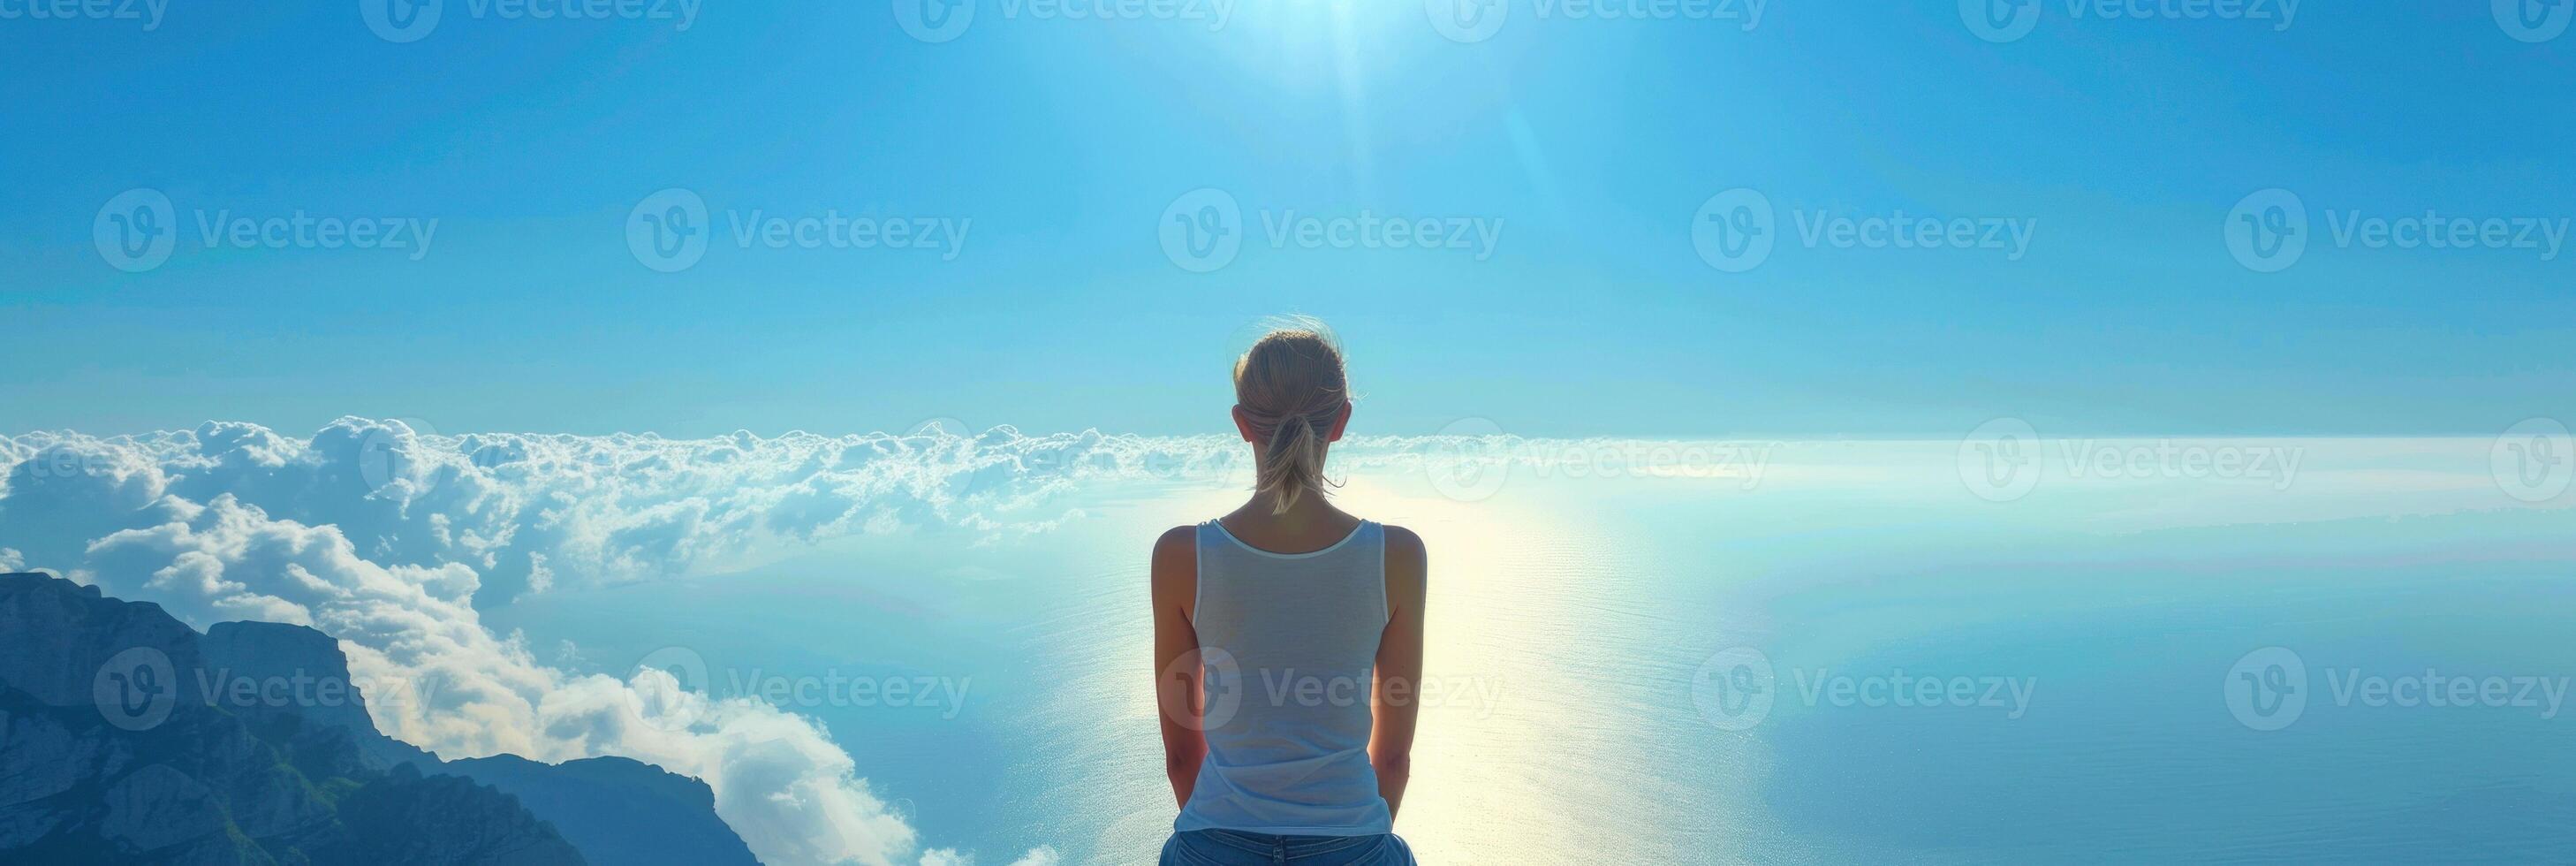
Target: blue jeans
{"x":1231,"y":848}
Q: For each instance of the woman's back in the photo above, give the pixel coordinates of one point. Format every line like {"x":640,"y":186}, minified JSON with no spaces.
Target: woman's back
{"x":1289,"y":642}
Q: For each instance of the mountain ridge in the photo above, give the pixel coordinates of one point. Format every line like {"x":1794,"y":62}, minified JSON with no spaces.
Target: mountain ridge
{"x":124,"y":735}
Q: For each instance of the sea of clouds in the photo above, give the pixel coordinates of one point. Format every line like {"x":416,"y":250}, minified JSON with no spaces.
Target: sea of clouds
{"x":394,"y":540}
{"x":391,"y":540}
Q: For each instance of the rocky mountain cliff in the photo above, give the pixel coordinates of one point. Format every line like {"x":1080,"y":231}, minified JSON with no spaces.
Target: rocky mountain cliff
{"x":126,"y":737}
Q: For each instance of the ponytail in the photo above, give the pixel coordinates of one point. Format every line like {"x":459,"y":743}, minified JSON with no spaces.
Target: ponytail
{"x":1291,"y":387}
{"x":1293,"y":464}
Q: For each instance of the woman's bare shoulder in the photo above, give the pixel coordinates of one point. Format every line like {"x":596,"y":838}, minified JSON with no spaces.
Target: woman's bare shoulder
{"x":1178,"y":539}
{"x":1176,"y":559}
{"x":1397,"y":537}
{"x":1407,"y":562}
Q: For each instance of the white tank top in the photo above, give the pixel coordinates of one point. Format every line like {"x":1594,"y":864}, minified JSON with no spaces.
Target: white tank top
{"x":1289,"y":642}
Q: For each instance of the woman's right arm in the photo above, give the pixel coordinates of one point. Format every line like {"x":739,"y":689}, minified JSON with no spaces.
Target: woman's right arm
{"x":1176,"y":657}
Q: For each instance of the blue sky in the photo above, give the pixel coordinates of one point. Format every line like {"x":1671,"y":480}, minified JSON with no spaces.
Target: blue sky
{"x":1584,"y":147}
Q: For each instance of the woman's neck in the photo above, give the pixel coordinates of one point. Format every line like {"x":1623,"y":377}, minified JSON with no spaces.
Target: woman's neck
{"x":1309,"y":512}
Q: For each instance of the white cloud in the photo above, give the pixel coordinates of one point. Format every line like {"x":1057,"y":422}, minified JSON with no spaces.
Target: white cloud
{"x":1038,"y":856}
{"x":385,"y":539}
{"x":391,"y":539}
{"x":438,"y":678}
{"x":528,"y":511}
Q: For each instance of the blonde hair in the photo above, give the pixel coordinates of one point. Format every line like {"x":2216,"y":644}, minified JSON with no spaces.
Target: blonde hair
{"x":1291,"y":387}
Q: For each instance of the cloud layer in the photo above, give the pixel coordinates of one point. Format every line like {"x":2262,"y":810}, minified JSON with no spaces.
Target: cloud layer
{"x":389,"y":539}
{"x":394,"y":540}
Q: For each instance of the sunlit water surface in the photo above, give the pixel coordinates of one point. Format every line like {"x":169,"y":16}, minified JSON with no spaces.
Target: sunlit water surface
{"x":1572,"y":619}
